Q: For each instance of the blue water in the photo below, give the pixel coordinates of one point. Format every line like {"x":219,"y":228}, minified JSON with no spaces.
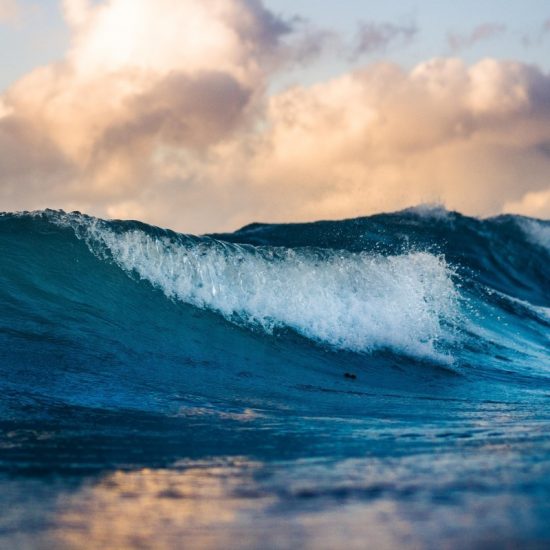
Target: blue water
{"x":381,"y":381}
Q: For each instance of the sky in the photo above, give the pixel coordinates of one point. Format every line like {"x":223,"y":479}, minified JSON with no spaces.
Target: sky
{"x":205,"y":115}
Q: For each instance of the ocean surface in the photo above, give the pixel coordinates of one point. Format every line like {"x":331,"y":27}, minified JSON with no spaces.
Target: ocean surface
{"x":381,"y":382}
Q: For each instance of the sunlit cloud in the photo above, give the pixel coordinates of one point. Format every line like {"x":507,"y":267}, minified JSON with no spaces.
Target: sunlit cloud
{"x":161,"y":111}
{"x":534,"y":203}
{"x":384,"y":138}
{"x":139,"y":76}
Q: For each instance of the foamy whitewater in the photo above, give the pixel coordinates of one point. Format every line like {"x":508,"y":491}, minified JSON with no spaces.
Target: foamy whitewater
{"x":383,"y":379}
{"x":352,"y":301}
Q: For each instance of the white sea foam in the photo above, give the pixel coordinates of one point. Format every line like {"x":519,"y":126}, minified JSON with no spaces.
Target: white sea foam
{"x":429,"y":211}
{"x":537,"y":232}
{"x":356,"y":302}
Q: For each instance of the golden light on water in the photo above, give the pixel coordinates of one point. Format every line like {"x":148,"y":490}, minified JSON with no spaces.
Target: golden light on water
{"x":207,"y":506}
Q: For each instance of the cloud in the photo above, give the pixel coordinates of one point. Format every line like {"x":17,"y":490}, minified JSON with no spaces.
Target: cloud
{"x":378,"y":37}
{"x":76,"y":12}
{"x":485,"y":31}
{"x":383,"y":138}
{"x":141,"y":77}
{"x":9,"y":11}
{"x":160,"y":111}
{"x":309,"y":42}
{"x":473,"y":137}
{"x":537,"y":38}
{"x":535,"y":203}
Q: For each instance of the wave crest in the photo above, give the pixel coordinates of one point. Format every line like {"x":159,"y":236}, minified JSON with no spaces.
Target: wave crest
{"x":351,"y":301}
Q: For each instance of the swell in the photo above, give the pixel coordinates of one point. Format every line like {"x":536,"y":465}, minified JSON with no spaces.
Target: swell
{"x":269,"y":315}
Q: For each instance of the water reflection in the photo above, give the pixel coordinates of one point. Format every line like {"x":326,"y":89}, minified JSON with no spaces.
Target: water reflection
{"x":468,"y":499}
{"x":235,"y":503}
{"x":160,"y":508}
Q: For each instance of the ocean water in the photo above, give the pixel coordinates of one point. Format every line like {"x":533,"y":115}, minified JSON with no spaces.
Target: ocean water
{"x":382,"y":382}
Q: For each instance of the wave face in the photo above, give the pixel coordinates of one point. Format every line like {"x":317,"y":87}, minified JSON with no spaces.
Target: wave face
{"x":282,"y":342}
{"x":423,"y":288}
{"x":352,"y":301}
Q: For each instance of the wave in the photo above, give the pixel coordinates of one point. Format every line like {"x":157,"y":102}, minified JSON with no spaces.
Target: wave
{"x":353,"y":301}
{"x":405,"y":290}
